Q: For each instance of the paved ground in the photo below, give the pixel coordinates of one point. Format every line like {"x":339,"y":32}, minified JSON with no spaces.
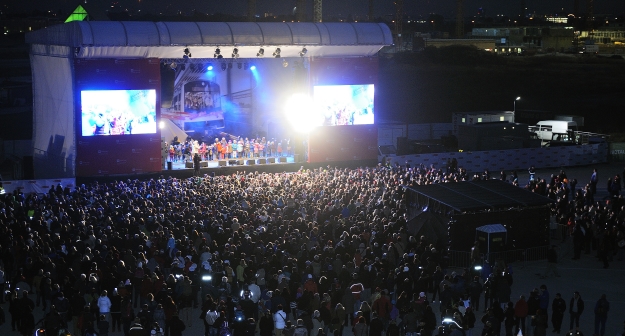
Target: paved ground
{"x":586,"y":275}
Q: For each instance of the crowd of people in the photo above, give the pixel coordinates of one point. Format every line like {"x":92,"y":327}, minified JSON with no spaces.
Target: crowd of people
{"x":307,"y":253}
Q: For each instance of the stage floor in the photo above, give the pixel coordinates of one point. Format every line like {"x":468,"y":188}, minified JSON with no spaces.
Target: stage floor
{"x":179,"y":169}
{"x":215,"y":163}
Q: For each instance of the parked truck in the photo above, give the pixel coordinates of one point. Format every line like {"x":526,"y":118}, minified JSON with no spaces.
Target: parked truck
{"x":558,"y":131}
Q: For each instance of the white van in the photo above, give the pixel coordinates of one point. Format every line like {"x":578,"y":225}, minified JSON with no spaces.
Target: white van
{"x":546,"y":129}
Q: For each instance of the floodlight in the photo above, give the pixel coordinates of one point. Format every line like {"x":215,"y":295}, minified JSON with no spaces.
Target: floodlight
{"x":276,"y":53}
{"x":301,"y":114}
{"x":260,"y":53}
{"x":303,"y":52}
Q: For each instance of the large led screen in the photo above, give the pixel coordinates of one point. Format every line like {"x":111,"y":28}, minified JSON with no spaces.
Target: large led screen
{"x":118,"y":112}
{"x":344,"y":104}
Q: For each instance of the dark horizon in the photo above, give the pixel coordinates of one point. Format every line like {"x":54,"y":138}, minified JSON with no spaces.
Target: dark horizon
{"x":382,"y":8}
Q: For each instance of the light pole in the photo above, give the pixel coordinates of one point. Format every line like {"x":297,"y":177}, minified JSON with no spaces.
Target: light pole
{"x":517,"y":98}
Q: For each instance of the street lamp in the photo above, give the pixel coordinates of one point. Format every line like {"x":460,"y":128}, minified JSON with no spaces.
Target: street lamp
{"x":517,"y":98}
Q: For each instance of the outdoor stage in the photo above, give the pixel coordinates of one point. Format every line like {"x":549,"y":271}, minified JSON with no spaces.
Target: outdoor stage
{"x":104,"y":94}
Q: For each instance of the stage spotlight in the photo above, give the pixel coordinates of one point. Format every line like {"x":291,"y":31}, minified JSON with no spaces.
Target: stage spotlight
{"x":161,"y":124}
{"x":285,"y":63}
{"x":245,"y":66}
{"x":260,"y":53}
{"x":173,"y":65}
{"x":223,"y":66}
{"x":253,"y":67}
{"x":209,"y":67}
{"x":239,"y":65}
{"x":303,"y":52}
{"x":235,"y":53}
{"x":218,"y":53}
{"x":230,"y":65}
{"x":276,"y":53}
{"x":187,"y":53}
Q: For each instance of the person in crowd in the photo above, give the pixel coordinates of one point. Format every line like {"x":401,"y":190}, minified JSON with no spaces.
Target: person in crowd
{"x":103,"y":325}
{"x":576,"y":308}
{"x":558,"y":307}
{"x":602,"y":307}
{"x":552,"y":262}
{"x":176,"y":326}
{"x":520,"y":314}
{"x":361,"y":328}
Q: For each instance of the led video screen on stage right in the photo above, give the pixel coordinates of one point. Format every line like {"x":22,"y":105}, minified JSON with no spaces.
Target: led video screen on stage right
{"x":345,"y":104}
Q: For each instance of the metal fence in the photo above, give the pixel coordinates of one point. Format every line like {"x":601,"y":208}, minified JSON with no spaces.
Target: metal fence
{"x":520,"y":256}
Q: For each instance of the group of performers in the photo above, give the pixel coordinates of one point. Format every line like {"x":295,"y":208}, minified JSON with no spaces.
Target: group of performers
{"x":233,"y":148}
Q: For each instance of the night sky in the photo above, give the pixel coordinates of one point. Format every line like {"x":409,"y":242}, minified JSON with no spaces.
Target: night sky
{"x":336,"y":7}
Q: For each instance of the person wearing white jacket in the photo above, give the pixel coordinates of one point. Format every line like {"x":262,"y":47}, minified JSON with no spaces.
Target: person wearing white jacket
{"x":104,"y":304}
{"x":279,"y":320}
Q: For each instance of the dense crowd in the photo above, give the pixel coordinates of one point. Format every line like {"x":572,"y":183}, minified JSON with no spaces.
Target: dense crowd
{"x":314,"y":251}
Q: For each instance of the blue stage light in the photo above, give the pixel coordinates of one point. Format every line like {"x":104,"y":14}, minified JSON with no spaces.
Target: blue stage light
{"x":210,"y":67}
{"x":253,"y":67}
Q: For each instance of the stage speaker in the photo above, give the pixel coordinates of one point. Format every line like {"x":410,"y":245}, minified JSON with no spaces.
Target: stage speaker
{"x":170,"y":165}
{"x":240,"y":162}
{"x":282,"y":159}
{"x":222,"y":163}
{"x":271,"y":160}
{"x":28,"y":168}
{"x":203,"y":164}
{"x":251,"y":162}
{"x":233,"y":162}
{"x":188,"y":164}
{"x":262,"y":161}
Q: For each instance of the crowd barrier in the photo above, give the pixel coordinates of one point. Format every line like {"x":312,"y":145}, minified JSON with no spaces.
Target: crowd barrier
{"x":37,"y":186}
{"x":519,"y":159}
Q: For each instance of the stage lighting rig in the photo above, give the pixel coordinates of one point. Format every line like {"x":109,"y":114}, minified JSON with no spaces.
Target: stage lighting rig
{"x":230,"y":65}
{"x":209,"y":67}
{"x":173,"y":65}
{"x":218,"y":53}
{"x":276,"y":53}
{"x":303,"y":52}
{"x":245,"y":66}
{"x":239,"y":65}
{"x":187,"y":53}
{"x":224,"y":66}
{"x":260,"y":53}
{"x":235,"y":53}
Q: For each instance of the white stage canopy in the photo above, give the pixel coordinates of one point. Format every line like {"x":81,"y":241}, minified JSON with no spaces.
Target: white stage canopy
{"x":129,"y":39}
